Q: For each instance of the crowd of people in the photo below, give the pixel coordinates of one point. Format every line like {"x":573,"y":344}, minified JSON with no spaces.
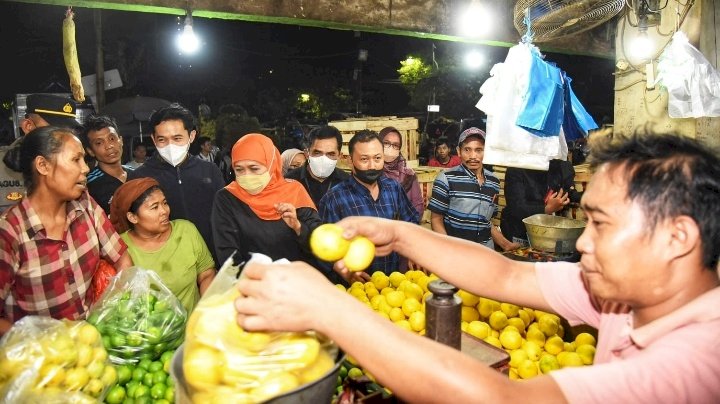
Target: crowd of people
{"x":647,"y":279}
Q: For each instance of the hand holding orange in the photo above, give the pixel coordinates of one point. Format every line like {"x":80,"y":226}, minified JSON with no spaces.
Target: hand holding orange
{"x":328,"y":244}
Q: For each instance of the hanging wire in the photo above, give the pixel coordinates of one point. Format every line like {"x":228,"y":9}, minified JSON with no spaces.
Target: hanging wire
{"x":529,"y":34}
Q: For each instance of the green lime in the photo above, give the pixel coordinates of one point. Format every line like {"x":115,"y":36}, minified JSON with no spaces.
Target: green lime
{"x":170,"y":382}
{"x":354,"y":373}
{"x":138,"y":374}
{"x":159,"y":377}
{"x":118,"y":340}
{"x":107,"y":342}
{"x":124,"y":374}
{"x":145,"y":363}
{"x":166,"y":356}
{"x":134,"y":338}
{"x":159,"y":348}
{"x":155,"y":366}
{"x":148,"y":379}
{"x":115,"y":395}
{"x":93,"y":319}
{"x":153,"y":334}
{"x":158,"y":390}
{"x":343,"y":372}
{"x":161,"y":401}
{"x":142,"y":391}
{"x":161,"y":305}
{"x":130,"y":388}
{"x":170,"y":393}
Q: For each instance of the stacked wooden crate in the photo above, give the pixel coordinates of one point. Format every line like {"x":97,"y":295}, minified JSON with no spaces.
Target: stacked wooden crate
{"x":407,"y":127}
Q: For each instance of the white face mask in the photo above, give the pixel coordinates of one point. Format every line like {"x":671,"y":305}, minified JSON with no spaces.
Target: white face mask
{"x":390,"y":154}
{"x":173,"y":153}
{"x":322,"y":166}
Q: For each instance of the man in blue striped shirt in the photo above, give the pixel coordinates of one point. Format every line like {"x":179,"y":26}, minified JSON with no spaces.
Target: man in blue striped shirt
{"x":368,"y":193}
{"x":464,"y":198}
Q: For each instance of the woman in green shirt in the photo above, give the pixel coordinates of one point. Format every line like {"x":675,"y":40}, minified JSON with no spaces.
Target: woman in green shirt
{"x":175,"y":250}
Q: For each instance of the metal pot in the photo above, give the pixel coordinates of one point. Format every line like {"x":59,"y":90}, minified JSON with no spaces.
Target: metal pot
{"x":319,"y":391}
{"x":555,"y":234}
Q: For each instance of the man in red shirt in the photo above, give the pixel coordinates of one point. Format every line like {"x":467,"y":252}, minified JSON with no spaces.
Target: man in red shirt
{"x":443,"y":158}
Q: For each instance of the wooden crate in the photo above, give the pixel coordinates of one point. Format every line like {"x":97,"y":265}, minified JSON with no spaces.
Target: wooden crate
{"x":408,"y":128}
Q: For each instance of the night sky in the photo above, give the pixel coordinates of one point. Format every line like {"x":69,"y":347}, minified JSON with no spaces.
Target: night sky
{"x":241,"y":62}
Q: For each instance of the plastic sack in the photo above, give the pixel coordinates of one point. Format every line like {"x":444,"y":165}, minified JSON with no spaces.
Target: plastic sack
{"x":43,"y":360}
{"x":224,"y":363}
{"x":100,"y":281}
{"x":138,"y":317}
{"x":693,"y":85}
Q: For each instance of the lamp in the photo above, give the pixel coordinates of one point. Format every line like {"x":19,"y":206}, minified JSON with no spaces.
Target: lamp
{"x":474,"y":21}
{"x":642,"y":47}
{"x":188,"y":42}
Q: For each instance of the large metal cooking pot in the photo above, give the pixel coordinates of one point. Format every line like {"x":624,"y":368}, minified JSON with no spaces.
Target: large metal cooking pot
{"x":319,"y":391}
{"x":555,"y":234}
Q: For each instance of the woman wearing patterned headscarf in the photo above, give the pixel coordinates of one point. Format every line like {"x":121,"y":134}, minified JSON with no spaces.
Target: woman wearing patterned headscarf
{"x":261,"y":211}
{"x":397,"y":169}
{"x":175,"y":250}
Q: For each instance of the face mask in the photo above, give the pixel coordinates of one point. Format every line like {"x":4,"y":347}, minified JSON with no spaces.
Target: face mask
{"x":254,"y":183}
{"x":369,"y":177}
{"x":322,"y":166}
{"x":390,"y":154}
{"x":173,"y":153}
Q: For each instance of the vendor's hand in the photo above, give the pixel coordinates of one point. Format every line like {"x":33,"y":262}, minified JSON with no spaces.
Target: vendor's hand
{"x":380,"y":231}
{"x":512,"y":246}
{"x":289,"y":216}
{"x":283,"y":297}
{"x":557,"y":201}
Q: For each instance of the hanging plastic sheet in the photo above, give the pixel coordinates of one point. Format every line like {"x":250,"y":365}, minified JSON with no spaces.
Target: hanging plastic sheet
{"x":576,"y":120}
{"x":503,"y":98}
{"x":693,"y":85}
{"x":542,"y":110}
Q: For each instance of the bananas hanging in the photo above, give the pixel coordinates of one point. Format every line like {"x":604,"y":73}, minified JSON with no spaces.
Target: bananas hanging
{"x":71,"y":58}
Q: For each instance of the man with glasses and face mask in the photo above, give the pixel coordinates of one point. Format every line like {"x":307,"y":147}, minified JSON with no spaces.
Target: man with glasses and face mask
{"x":368,"y":193}
{"x":320,"y":173}
{"x":188,"y":182}
{"x":42,"y":110}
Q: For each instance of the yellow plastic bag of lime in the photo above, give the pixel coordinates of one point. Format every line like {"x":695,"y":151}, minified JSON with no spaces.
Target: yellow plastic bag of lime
{"x":223,"y":363}
{"x":43,"y":360}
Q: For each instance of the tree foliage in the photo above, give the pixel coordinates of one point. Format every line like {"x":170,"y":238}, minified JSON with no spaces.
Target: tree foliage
{"x":413,"y":70}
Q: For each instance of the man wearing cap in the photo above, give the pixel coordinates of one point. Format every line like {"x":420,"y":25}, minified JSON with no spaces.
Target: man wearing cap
{"x":42,"y":110}
{"x":464,"y":198}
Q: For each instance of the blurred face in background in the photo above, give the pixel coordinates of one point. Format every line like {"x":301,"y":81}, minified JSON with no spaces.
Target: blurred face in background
{"x":105,"y":145}
{"x":297,"y":161}
{"x":443,"y":151}
{"x":140,"y":153}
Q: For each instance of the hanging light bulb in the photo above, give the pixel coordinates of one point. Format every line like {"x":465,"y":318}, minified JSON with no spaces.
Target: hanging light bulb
{"x":475,"y":20}
{"x":474,"y":60}
{"x":188,"y":42}
{"x":642,"y":47}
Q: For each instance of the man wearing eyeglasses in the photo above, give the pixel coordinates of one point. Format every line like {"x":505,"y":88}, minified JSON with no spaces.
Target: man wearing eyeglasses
{"x":464,"y":198}
{"x":103,"y":142}
{"x":320,"y":173}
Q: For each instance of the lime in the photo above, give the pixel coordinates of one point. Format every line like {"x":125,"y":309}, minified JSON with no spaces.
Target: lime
{"x":117,"y":340}
{"x":161,"y":305}
{"x":145,"y":364}
{"x":143,"y":400}
{"x":166,"y":356}
{"x":134,"y":338}
{"x":130,"y":388}
{"x":161,"y":401}
{"x":148,"y":379}
{"x":155,"y":366}
{"x":157,"y":391}
{"x":170,"y":382}
{"x":354,"y":373}
{"x":153,"y":335}
{"x":115,"y":395}
{"x":170,"y":393}
{"x":142,"y":391}
{"x":107,"y":342}
{"x":124,"y":374}
{"x":159,"y":377}
{"x":138,"y":374}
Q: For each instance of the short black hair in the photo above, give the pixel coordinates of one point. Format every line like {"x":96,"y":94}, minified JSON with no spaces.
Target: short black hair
{"x":203,"y":139}
{"x":363,"y":136}
{"x":324,"y":132}
{"x":173,"y":112}
{"x":95,"y":123}
{"x":442,"y":140}
{"x":139,"y":144}
{"x":669,"y":176}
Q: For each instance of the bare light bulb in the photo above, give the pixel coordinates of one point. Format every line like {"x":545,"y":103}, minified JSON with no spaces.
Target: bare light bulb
{"x":188,"y":42}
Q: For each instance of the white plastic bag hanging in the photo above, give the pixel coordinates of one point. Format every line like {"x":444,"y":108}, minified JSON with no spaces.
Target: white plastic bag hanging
{"x":693,"y":85}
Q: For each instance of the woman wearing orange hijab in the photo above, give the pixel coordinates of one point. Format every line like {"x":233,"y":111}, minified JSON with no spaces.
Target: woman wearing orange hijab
{"x":261,"y":211}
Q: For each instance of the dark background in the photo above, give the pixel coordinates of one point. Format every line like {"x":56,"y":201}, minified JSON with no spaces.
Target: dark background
{"x":261,"y":66}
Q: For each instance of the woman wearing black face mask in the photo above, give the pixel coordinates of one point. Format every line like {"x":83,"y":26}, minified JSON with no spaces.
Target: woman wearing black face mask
{"x":368,"y":193}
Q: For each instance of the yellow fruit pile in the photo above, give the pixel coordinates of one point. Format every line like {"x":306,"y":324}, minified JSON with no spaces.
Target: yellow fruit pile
{"x":328,"y":244}
{"x":61,"y":359}
{"x":534,"y":339}
{"x":224,"y":363}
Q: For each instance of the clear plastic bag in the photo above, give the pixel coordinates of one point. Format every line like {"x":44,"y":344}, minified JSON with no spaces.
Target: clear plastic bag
{"x":43,"y":360}
{"x":693,"y":85}
{"x":224,"y":363}
{"x":138,"y":317}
